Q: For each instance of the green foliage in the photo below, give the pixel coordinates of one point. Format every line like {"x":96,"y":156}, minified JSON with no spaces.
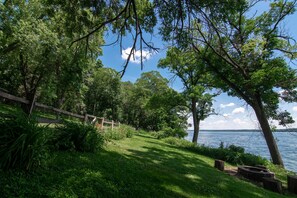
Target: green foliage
{"x":170,"y":132}
{"x":36,"y":56}
{"x":118,"y":133}
{"x":150,"y":104}
{"x":191,"y":69}
{"x":22,"y":143}
{"x":245,"y":52}
{"x":77,"y":136}
{"x":232,"y":154}
{"x":178,"y":142}
{"x":102,"y":97}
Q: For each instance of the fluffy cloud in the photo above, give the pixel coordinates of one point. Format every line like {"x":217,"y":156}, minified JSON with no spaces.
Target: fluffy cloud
{"x":226,"y":115}
{"x":239,"y":121}
{"x":220,"y":122}
{"x":227,"y":105}
{"x":238,"y":110}
{"x":295,"y":108}
{"x":136,"y":58}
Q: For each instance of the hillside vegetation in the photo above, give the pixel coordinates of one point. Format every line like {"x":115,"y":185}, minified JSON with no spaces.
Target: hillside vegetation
{"x":141,"y":166}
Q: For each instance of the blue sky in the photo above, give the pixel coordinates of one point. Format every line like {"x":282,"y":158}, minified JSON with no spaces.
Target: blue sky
{"x":233,"y":113}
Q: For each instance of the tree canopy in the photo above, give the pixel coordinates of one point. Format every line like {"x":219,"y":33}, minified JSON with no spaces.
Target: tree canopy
{"x":44,"y":44}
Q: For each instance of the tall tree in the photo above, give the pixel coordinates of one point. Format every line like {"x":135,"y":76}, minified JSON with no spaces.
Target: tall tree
{"x":191,"y":69}
{"x":103,"y":93}
{"x":35,"y":52}
{"x":244,"y":51}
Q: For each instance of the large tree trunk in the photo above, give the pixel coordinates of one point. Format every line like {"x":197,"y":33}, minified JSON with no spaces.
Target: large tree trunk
{"x":272,"y":146}
{"x":195,"y":121}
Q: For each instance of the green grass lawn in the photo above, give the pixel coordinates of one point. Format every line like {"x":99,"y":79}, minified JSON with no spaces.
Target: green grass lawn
{"x":141,"y":166}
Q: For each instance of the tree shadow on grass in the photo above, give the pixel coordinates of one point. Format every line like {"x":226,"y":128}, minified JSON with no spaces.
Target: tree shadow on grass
{"x":194,"y":177}
{"x":147,"y":171}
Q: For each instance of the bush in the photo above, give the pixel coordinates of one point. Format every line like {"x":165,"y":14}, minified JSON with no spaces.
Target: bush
{"x":23,"y":143}
{"x":178,"y":142}
{"x":236,"y":149}
{"x":170,"y":132}
{"x":77,"y":136}
{"x":124,"y":131}
{"x":232,"y":154}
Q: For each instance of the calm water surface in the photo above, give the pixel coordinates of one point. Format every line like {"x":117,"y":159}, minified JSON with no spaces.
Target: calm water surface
{"x":253,"y":142}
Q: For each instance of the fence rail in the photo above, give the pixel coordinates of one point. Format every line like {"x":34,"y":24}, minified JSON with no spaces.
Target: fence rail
{"x":99,"y":122}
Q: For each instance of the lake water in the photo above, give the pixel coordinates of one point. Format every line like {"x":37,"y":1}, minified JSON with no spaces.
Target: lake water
{"x":253,"y":142}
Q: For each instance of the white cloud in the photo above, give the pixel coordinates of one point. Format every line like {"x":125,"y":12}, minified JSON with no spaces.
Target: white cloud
{"x":238,"y":110}
{"x":295,"y":108}
{"x":239,"y":121}
{"x":227,"y":105}
{"x":136,"y":58}
{"x":226,"y":114}
{"x":220,"y":122}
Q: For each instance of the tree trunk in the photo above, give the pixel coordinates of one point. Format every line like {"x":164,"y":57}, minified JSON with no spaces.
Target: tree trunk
{"x":28,"y":108}
{"x":272,"y":146}
{"x":195,"y":121}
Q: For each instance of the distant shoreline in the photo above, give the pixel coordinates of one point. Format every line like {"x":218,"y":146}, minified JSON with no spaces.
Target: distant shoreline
{"x":245,"y":130}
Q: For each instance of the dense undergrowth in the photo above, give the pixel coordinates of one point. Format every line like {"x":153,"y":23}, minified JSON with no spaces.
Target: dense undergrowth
{"x":26,"y":145}
{"x":23,"y":144}
{"x":231,"y":154}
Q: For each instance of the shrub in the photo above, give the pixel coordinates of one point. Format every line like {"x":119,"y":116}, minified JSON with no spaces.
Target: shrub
{"x":170,"y":132}
{"x":124,"y":131}
{"x":178,"y":142}
{"x":232,"y":154}
{"x":77,"y":136}
{"x":236,"y":149}
{"x":22,"y":143}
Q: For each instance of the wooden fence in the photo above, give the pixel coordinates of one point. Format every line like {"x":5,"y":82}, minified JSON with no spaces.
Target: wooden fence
{"x":99,"y":122}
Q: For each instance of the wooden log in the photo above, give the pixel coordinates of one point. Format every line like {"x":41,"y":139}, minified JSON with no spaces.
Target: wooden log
{"x":13,"y":98}
{"x":85,"y":118}
{"x":59,"y":111}
{"x":292,"y":183}
{"x":49,"y":121}
{"x":220,"y":165}
{"x":272,"y":185}
{"x":261,"y":166}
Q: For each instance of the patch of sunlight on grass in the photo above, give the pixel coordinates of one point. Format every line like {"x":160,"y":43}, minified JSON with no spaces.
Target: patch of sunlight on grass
{"x":190,"y":165}
{"x":173,"y":188}
{"x":193,"y":177}
{"x":156,"y":161}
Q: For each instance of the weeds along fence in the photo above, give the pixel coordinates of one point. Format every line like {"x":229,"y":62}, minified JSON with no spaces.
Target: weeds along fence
{"x":99,"y":122}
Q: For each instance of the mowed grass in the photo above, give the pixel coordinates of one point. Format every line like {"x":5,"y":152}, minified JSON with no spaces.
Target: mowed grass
{"x":141,"y":166}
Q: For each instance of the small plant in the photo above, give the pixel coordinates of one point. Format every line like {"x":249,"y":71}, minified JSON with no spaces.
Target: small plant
{"x":124,"y":131}
{"x":23,"y":143}
{"x":77,"y":136}
{"x":236,"y":149}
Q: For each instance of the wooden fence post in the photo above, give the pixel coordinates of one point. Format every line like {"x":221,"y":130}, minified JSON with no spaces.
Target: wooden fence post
{"x":112,"y":123}
{"x":86,"y":118}
{"x":292,"y":183}
{"x":32,"y":104}
{"x":219,"y":164}
{"x":102,"y":124}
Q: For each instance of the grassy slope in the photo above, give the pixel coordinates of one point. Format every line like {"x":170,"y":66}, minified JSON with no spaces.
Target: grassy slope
{"x":137,"y":167}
